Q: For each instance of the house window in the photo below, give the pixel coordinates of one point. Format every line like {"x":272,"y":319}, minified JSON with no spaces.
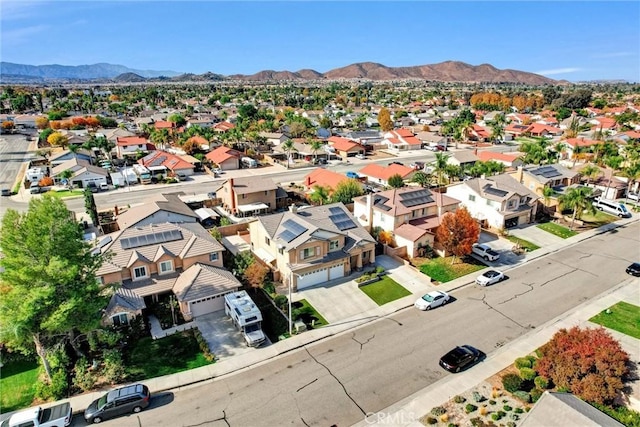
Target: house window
{"x":472,"y":197}
{"x":166,"y":267}
{"x":512,"y":204}
{"x":139,"y":273}
{"x":120,"y":319}
{"x":267,"y":241}
{"x":213,"y":256}
{"x":333,"y":245}
{"x":308,"y":252}
{"x":244,"y":196}
{"x":101,"y":280}
{"x":266,"y":192}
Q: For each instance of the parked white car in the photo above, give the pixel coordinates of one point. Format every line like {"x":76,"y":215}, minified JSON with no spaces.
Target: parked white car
{"x":432,"y":300}
{"x":485,"y":252}
{"x":633,"y":196}
{"x":490,"y":277}
{"x":361,"y":156}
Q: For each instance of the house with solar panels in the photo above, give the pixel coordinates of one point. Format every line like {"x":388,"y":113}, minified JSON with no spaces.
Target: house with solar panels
{"x":311,"y":246}
{"x":555,"y":176}
{"x":151,"y":260}
{"x":498,"y":202}
{"x":411,"y":214}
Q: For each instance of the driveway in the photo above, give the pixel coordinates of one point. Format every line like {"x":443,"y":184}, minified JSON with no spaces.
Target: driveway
{"x":410,"y":278}
{"x":535,"y":235}
{"x":223,"y":338}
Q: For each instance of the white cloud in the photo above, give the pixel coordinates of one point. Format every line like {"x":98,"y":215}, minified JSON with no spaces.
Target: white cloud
{"x":558,"y":71}
{"x":22,"y":35}
{"x":14,"y":10}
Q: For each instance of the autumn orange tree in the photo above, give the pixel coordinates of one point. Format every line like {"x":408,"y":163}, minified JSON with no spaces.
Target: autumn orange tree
{"x":42,"y":122}
{"x":7,"y":125}
{"x":255,"y":274}
{"x":384,"y":119}
{"x":588,"y":362}
{"x":57,"y":139}
{"x":457,"y":233}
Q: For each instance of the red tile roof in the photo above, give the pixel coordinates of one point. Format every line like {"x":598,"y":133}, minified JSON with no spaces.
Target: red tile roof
{"x":170,"y":161}
{"x":403,"y":132}
{"x":343,"y":144}
{"x":163,"y":125}
{"x":384,"y":173}
{"x":581,"y":142}
{"x":605,"y":122}
{"x":223,"y":126}
{"x":323,"y":178}
{"x":222,"y":154}
{"x":485,"y":156}
{"x":123,"y":141}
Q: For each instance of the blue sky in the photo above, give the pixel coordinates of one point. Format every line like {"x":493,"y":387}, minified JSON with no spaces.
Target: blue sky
{"x":572,"y":40}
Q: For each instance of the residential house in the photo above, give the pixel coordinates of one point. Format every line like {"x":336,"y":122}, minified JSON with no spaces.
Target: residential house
{"x":431,"y":139}
{"x":165,"y":163}
{"x":161,"y":124}
{"x":344,"y":147}
{"x":25,"y":121}
{"x":225,"y":158}
{"x":365,"y":137}
{"x":566,"y":123}
{"x":113,"y":134}
{"x":566,"y":410}
{"x":463,"y":159}
{"x":604,"y":123}
{"x":323,"y":178}
{"x":83,"y":173}
{"x":201,"y":121}
{"x":250,"y":195}
{"x":411,"y":214}
{"x":223,"y":127}
{"x":539,"y":129}
{"x":479,"y":133}
{"x":510,"y":160}
{"x":574,"y":146}
{"x":380,"y":175}
{"x":497,"y":202}
{"x":401,"y":140}
{"x":63,"y":156}
{"x":312,"y":246}
{"x":157,"y":209}
{"x":274,"y":138}
{"x":555,"y":176}
{"x":130,"y":146}
{"x":165,"y":258}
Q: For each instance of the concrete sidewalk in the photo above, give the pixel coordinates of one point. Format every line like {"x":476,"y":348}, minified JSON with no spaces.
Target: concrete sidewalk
{"x":503,"y":357}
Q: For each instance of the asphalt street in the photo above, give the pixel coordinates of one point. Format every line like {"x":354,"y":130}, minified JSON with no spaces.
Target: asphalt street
{"x":338,"y":380}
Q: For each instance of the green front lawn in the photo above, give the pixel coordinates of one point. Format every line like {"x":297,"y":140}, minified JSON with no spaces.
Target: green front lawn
{"x":558,"y":230}
{"x":151,"y":358}
{"x":524,"y":244}
{"x":600,"y":218}
{"x":442,"y":270}
{"x":66,"y":193}
{"x":304,"y":306}
{"x":384,"y":290}
{"x":17,"y":384}
{"x":623,"y":317}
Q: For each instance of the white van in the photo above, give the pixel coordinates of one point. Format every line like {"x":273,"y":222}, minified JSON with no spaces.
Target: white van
{"x":612,"y":207}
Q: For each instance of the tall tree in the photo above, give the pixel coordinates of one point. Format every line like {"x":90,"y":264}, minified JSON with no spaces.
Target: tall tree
{"x":346,"y":190}
{"x":440,"y":166}
{"x":320,"y":195}
{"x":547,"y":194}
{"x":396,"y":181}
{"x":457,"y":233}
{"x":591,"y":171}
{"x":422,"y":178}
{"x":316,"y":146}
{"x":49,"y":285}
{"x":384,"y":119}
{"x":588,"y":362}
{"x":288,"y":147}
{"x":579,"y":200}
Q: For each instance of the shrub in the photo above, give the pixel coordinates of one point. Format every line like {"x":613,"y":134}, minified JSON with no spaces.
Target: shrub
{"x":56,"y":390}
{"x":518,"y":411}
{"x":431,"y":420}
{"x":511,"y":382}
{"x":533,"y":359}
{"x":477,"y":397}
{"x":379,"y":269}
{"x":492,"y":402}
{"x":444,"y":418}
{"x":522,"y":362}
{"x":515,"y":417}
{"x":438,"y":410}
{"x":269,"y":288}
{"x":535,"y":394}
{"x":113,"y":369}
{"x":202,"y":344}
{"x":477,"y":422}
{"x":527,"y":374}
{"x":507,"y":408}
{"x":280,"y":300}
{"x":470,"y":408}
{"x":522,"y":395}
{"x":541,"y":382}
{"x":483,"y":411}
{"x":459,"y":399}
{"x":511,"y":424}
{"x":497,"y":415}
{"x":495,"y":393}
{"x":83,"y":377}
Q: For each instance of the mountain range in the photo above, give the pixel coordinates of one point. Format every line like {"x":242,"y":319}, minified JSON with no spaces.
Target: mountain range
{"x":449,"y":71}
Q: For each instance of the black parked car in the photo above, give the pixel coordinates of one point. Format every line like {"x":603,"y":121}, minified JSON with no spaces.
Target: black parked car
{"x":634,"y":269}
{"x":459,"y":358}
{"x":124,"y":400}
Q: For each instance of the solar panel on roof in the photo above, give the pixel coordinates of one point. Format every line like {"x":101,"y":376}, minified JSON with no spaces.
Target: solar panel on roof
{"x":150,"y":239}
{"x":335,"y":210}
{"x":345,"y":225}
{"x":495,"y":191}
{"x":291,"y":230}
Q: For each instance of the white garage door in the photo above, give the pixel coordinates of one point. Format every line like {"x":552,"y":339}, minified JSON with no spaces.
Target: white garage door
{"x":312,"y":278}
{"x":206,"y":305}
{"x":336,"y":271}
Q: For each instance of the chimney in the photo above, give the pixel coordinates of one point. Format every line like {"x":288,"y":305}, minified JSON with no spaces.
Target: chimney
{"x":369,"y":210}
{"x":475,"y":152}
{"x":115,"y":210}
{"x":293,"y":209}
{"x":483,"y":176}
{"x":520,"y":175}
{"x":308,"y":181}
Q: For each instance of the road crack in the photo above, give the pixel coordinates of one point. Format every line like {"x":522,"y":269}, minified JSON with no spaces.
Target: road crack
{"x":353,"y":337}
{"x":530,"y":285}
{"x":307,"y":384}
{"x":223,"y":418}
{"x":339,"y":382}
{"x":484,"y":301}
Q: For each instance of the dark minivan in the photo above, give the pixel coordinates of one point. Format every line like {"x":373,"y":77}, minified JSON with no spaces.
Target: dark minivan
{"x":133,"y":398}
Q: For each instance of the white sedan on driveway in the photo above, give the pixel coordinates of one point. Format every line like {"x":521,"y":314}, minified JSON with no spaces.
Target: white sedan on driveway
{"x":432,"y":300}
{"x":490,"y":277}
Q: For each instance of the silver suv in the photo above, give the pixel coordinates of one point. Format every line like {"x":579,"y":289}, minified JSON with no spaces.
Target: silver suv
{"x":133,"y":398}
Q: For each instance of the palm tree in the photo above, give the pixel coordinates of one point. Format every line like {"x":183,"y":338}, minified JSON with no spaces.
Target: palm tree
{"x":547,"y":194}
{"x":578,"y":199}
{"x":591,"y":171}
{"x":440,"y":166}
{"x":320,"y":195}
{"x":497,"y":132}
{"x":422,"y":178}
{"x":66,"y":175}
{"x":288,"y":147}
{"x":632,"y":173}
{"x":316,"y":146}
